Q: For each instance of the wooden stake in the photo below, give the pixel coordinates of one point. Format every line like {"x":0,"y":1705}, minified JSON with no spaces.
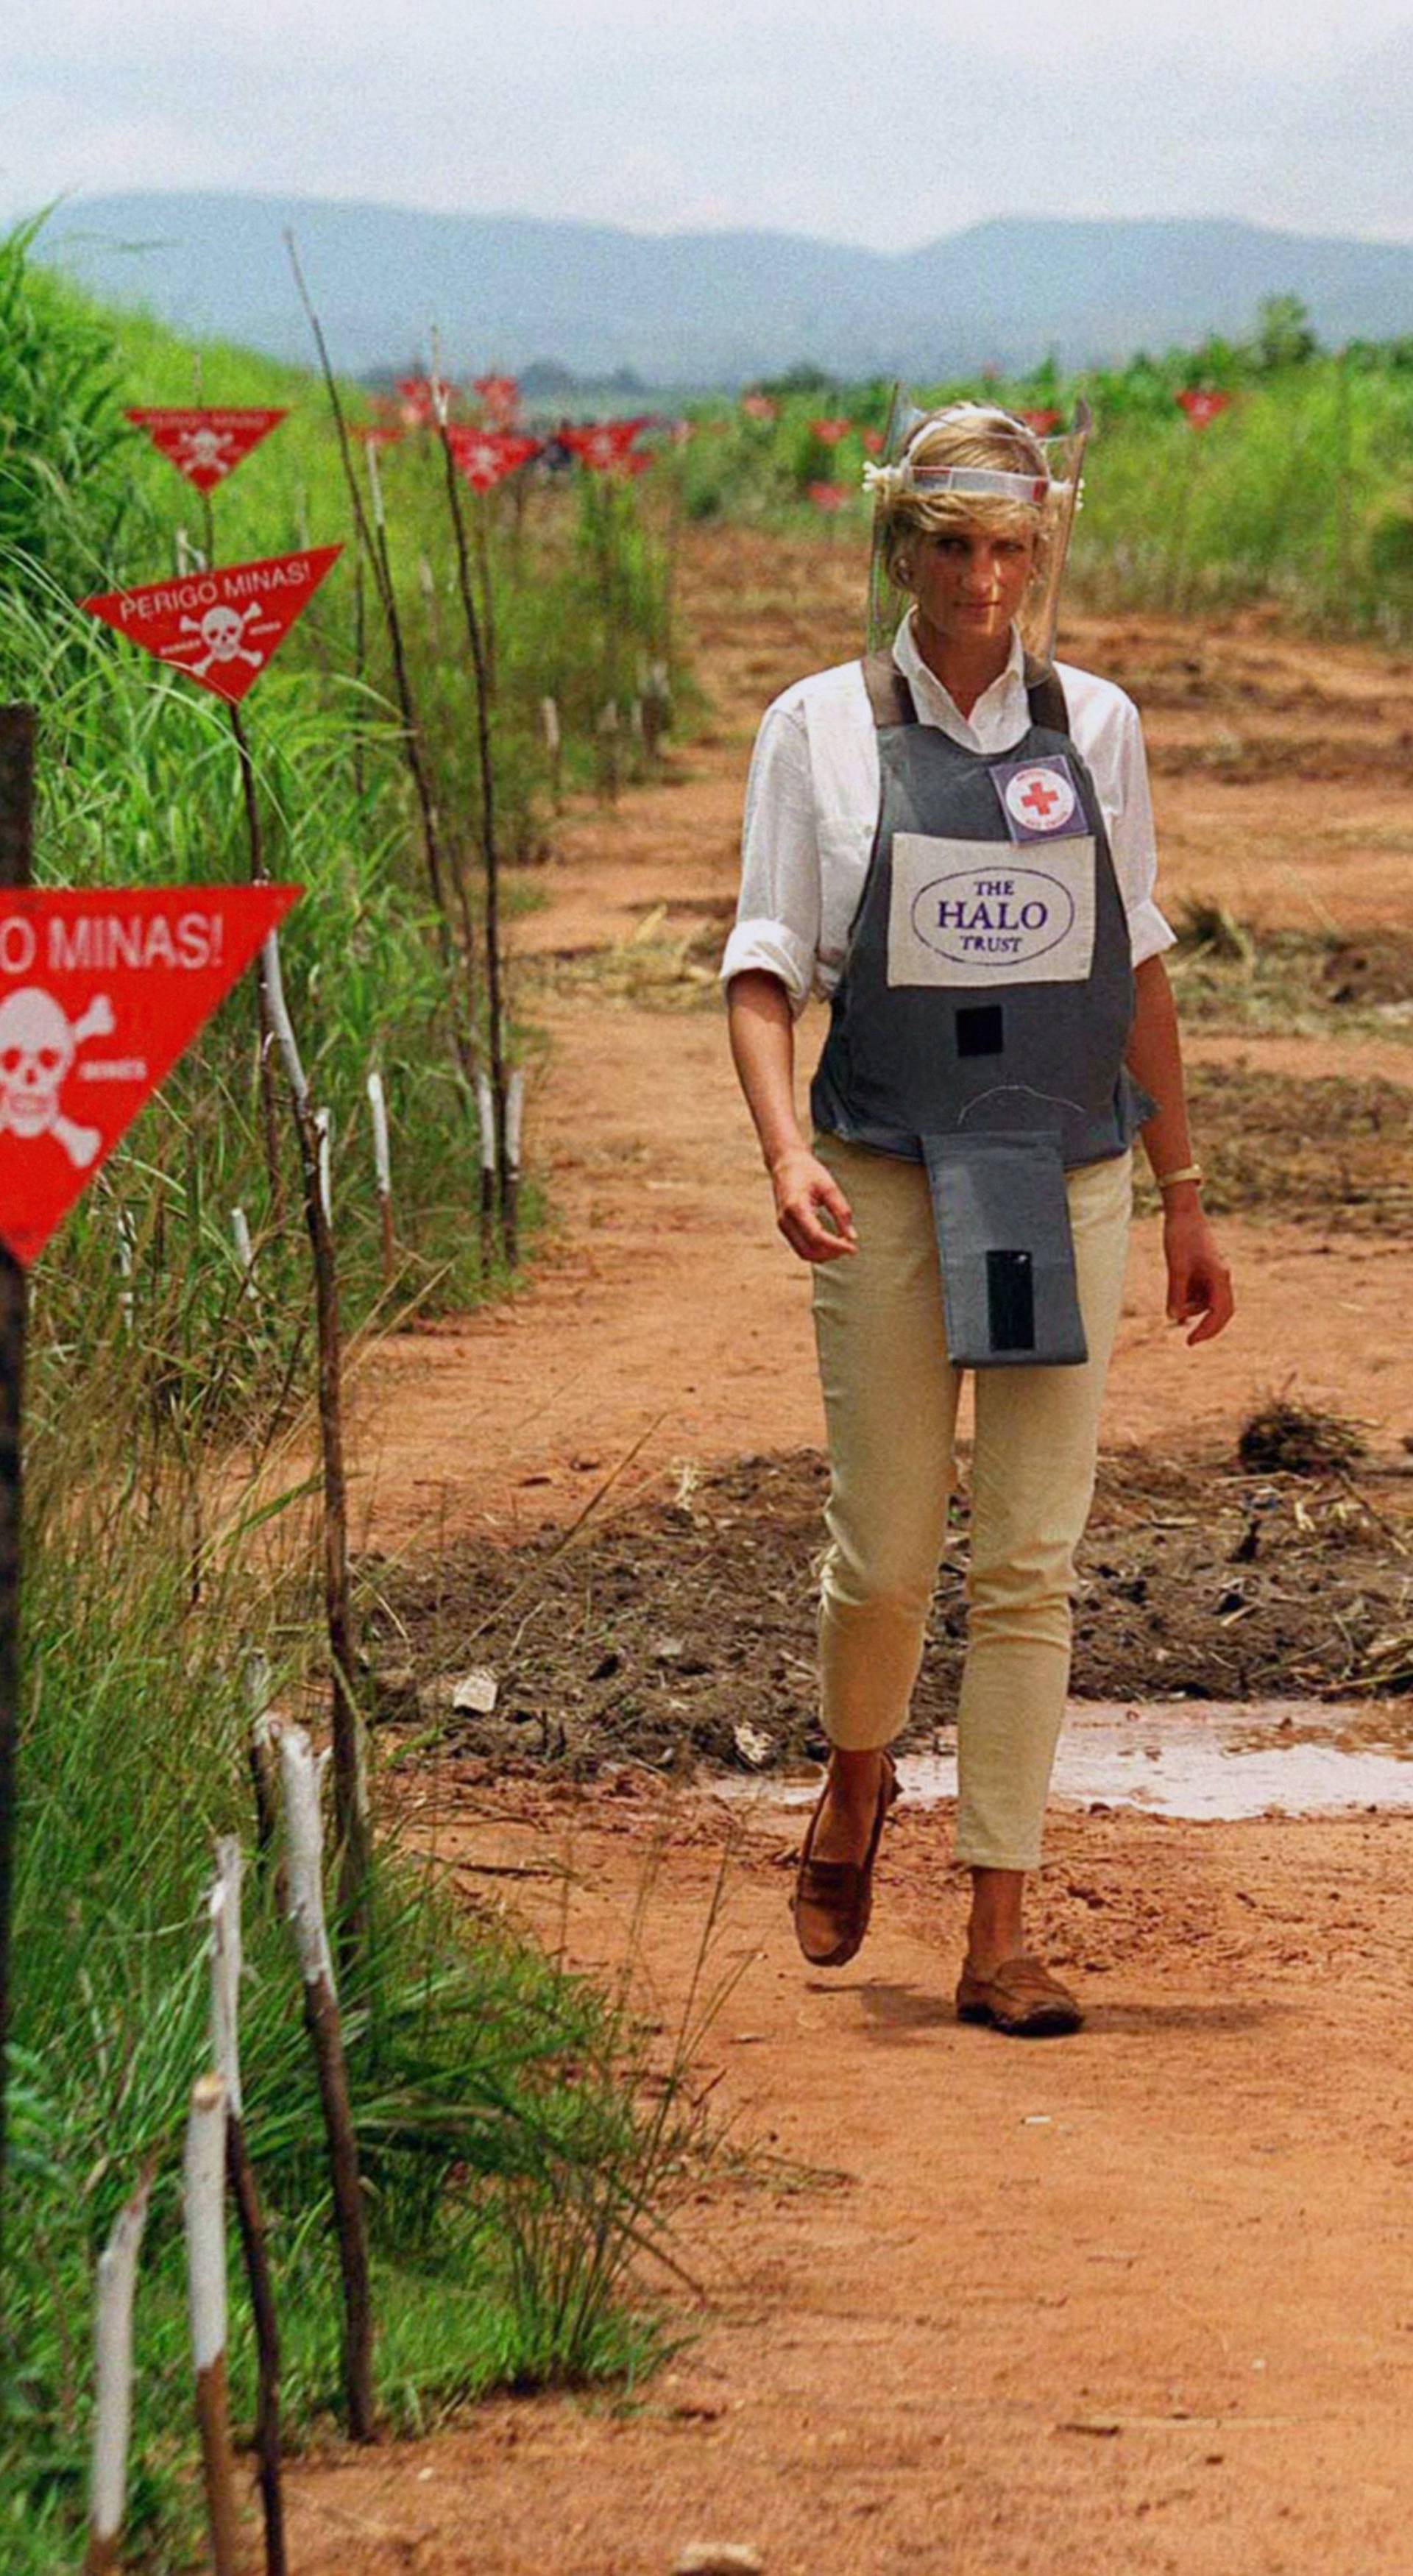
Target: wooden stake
{"x":224,"y":1908}
{"x":510,"y":1205}
{"x":16,"y":843}
{"x":549,"y":719}
{"x":258,"y":876}
{"x":245,"y":1251}
{"x":112,"y":2395}
{"x":301,"y":1776}
{"x":203,"y":2174}
{"x":382,"y":1172}
{"x":486,"y":1109}
{"x":479,"y":638}
{"x":350,"y":1764}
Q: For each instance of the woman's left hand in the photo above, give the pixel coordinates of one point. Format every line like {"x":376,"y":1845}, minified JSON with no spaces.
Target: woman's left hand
{"x":1199,"y":1282}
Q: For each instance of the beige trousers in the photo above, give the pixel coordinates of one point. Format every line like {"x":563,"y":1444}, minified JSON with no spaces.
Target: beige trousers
{"x":890,"y":1400}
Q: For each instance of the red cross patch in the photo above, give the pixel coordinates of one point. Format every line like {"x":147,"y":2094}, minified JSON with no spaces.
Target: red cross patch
{"x":1038,"y":797}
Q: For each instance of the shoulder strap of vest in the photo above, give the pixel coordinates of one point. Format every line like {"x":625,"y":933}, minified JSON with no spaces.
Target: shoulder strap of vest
{"x":1047,"y":698}
{"x":888,"y":693}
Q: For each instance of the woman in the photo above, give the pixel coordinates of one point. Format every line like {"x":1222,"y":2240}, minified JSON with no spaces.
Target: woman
{"x":1001,"y":1026}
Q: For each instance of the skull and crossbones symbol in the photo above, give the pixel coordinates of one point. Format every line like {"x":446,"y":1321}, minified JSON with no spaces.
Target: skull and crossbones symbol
{"x":38,"y":1043}
{"x":222,"y":631}
{"x":205,"y":449}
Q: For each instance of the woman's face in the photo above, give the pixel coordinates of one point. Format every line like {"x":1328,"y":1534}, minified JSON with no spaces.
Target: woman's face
{"x":969,"y":581}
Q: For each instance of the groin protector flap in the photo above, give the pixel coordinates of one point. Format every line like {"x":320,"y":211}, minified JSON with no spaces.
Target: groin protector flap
{"x":1002,"y":1220}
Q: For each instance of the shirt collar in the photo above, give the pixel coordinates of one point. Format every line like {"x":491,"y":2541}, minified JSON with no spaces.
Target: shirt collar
{"x":936,"y":704}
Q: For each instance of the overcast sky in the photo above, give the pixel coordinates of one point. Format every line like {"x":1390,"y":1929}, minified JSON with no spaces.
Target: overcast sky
{"x":883,"y":124}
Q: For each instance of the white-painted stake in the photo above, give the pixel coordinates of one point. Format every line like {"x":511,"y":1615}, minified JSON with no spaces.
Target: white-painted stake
{"x":514,"y":1109}
{"x":549,"y":718}
{"x":302,"y":1778}
{"x":382,"y":1158}
{"x":245,"y":1250}
{"x":486,"y":1111}
{"x":280,"y":1021}
{"x":375,"y":483}
{"x":203,"y":2185}
{"x":127,"y":1246}
{"x":204,"y":2209}
{"x":112,"y":2396}
{"x":223,"y":1907}
{"x":323,"y":1137}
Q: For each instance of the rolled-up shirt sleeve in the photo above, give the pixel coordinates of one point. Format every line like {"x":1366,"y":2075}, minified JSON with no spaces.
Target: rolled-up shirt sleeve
{"x":778,"y":909}
{"x":1135,"y":844}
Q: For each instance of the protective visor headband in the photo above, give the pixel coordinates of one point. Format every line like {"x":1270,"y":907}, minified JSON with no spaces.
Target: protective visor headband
{"x":903,"y":480}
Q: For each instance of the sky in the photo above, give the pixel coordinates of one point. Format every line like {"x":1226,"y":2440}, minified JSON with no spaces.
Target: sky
{"x":883,"y":125}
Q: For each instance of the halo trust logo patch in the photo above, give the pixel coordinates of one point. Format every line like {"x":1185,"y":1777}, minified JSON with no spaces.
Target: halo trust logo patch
{"x":1038,"y":797}
{"x":1004,"y":916}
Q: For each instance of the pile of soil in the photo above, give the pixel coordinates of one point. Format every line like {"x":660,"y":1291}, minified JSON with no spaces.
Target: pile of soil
{"x":683,"y":1631}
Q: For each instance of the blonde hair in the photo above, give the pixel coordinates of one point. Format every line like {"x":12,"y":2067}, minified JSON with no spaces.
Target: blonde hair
{"x":976,"y":434}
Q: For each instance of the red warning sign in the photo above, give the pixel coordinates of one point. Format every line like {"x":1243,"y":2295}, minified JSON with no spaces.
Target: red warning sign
{"x":486,"y":456}
{"x":206,"y":445}
{"x":501,"y":396}
{"x":602,"y":444}
{"x":99,"y":995}
{"x":1201,"y":406}
{"x":222,"y":626}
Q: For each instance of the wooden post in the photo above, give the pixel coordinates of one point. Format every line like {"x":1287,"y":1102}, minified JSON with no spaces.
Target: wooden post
{"x":382,"y":1172}
{"x":510,"y":1204}
{"x":224,"y":1908}
{"x":549,"y":719}
{"x":264,"y":1761}
{"x":112,"y":2395}
{"x":486,"y":1109}
{"x":301,"y":1776}
{"x":16,"y":845}
{"x":203,"y":2177}
{"x":479,"y":639}
{"x":258,"y":876}
{"x":245,"y":1251}
{"x":350,"y":1764}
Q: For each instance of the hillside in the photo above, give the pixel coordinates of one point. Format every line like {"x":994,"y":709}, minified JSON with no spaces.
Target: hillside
{"x":709,"y":308}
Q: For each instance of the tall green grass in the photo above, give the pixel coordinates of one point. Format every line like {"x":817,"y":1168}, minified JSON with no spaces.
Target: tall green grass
{"x":1301,"y":492}
{"x":515,"y":2161}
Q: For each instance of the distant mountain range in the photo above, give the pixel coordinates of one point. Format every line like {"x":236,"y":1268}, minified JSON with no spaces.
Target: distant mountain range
{"x":702,"y":309}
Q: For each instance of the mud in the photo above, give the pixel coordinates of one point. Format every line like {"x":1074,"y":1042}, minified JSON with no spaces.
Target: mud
{"x":682,"y":1631}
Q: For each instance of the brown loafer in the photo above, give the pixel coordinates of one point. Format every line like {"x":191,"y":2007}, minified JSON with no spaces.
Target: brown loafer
{"x":1021,"y":1998}
{"x":833,"y":1899}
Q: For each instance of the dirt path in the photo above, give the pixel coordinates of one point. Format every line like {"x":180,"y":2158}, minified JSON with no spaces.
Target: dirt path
{"x":1141,"y":2301}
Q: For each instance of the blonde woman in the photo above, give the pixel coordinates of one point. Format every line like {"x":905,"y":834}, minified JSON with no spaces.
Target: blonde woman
{"x":953,"y":840}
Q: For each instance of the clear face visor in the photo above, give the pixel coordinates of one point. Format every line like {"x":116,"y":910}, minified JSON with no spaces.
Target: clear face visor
{"x":1052,"y":494}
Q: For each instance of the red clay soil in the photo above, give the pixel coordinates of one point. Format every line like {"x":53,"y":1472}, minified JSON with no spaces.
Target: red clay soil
{"x":1139,"y":2300}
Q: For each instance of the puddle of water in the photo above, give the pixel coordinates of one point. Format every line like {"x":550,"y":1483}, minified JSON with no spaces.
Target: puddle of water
{"x":1206,"y":1759}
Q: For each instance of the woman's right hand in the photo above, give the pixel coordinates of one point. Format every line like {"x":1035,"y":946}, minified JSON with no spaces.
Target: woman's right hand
{"x":803,"y":1186}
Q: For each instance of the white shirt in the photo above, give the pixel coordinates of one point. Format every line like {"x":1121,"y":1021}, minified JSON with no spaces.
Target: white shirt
{"x":812,"y":803}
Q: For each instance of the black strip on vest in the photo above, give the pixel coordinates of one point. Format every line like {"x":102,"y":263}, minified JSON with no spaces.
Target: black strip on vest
{"x":888,"y":693}
{"x":1047,"y":698}
{"x":980,"y":1029}
{"x":1010,"y":1301}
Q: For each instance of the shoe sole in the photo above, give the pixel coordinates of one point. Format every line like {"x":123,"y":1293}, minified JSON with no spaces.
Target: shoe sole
{"x":1048,"y":2021}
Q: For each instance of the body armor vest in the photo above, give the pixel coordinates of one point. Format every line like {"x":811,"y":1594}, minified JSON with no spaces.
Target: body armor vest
{"x":980,"y":1019}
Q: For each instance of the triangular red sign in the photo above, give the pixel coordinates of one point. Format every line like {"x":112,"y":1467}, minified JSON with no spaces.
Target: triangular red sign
{"x":602,"y":444}
{"x":486,"y":456}
{"x":100,"y":992}
{"x":222,"y":626}
{"x":205,"y":445}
